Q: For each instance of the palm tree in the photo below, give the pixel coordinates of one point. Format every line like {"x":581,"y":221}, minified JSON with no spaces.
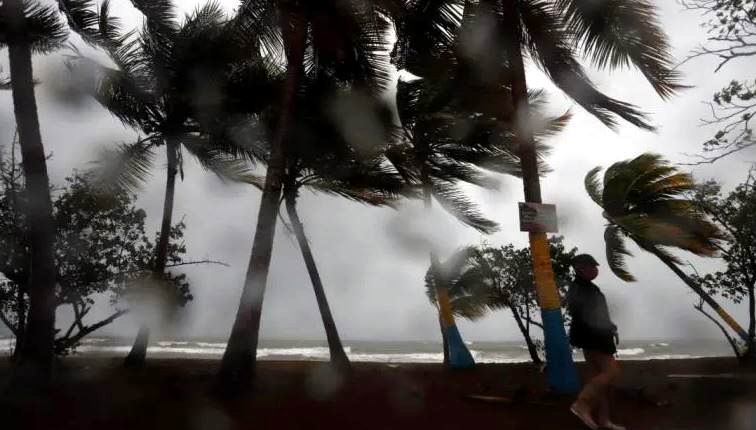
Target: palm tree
{"x":27,"y":28}
{"x":647,"y":200}
{"x":323,"y":160}
{"x":362,"y":181}
{"x":468,"y":300}
{"x":487,"y":279}
{"x":344,"y":37}
{"x":553,"y":34}
{"x":456,"y":121}
{"x":154,"y":89}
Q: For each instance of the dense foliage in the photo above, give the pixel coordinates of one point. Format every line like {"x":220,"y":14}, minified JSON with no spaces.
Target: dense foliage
{"x":101,"y":250}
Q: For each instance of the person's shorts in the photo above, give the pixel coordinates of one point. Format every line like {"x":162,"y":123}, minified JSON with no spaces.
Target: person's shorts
{"x":602,"y":343}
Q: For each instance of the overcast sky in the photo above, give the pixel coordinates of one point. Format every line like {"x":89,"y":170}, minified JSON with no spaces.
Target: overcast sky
{"x":370,"y":260}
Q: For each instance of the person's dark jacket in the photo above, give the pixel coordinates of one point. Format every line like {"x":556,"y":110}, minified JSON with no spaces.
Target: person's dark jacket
{"x":591,"y":326}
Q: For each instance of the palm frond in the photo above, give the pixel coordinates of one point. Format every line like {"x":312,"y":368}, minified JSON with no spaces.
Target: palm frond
{"x":548,"y":127}
{"x":359,"y":195}
{"x":109,"y":26}
{"x":469,"y":296}
{"x":453,"y":171}
{"x":426,"y":32}
{"x":593,"y":186}
{"x":160,"y":15}
{"x":42,"y":29}
{"x":257,"y":21}
{"x":616,"y":251}
{"x":126,"y":167}
{"x":461,"y":207}
{"x":228,"y":161}
{"x":364,"y":32}
{"x":548,"y":44}
{"x":470,"y":307}
{"x":617,"y":33}
{"x":95,"y":28}
{"x":128,"y":99}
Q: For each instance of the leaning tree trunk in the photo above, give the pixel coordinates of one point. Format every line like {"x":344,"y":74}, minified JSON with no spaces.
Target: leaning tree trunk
{"x":240,"y":357}
{"x":701,"y":293}
{"x":456,"y":354}
{"x":138,"y":353}
{"x":750,"y":353}
{"x":444,"y":339}
{"x":21,"y":323}
{"x":37,"y":352}
{"x":561,"y":373}
{"x":532,"y":350}
{"x":338,"y":357}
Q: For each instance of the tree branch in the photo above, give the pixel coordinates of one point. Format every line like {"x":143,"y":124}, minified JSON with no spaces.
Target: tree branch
{"x":63,"y":343}
{"x":729,"y":338}
{"x":188,"y":263}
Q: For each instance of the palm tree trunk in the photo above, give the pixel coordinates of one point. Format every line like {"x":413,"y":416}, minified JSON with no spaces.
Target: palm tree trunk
{"x":21,"y":323}
{"x":456,"y":354}
{"x":444,"y":339}
{"x":726,"y":317}
{"x":750,"y":353}
{"x":37,"y":353}
{"x":237,"y":366}
{"x":532,"y":350}
{"x":138,"y":353}
{"x":561,"y":373}
{"x":338,"y":357}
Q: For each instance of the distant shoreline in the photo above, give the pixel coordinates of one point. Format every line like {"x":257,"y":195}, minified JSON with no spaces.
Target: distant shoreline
{"x":382,"y":352}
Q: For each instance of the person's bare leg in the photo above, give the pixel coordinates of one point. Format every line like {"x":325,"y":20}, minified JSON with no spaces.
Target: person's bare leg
{"x":610,"y":374}
{"x":587,"y":401}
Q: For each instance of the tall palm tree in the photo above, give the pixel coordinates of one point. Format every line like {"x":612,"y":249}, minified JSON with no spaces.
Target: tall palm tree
{"x":345,"y":37}
{"x":648,"y":201}
{"x":457,"y":121}
{"x":553,"y":34}
{"x":324,"y":160}
{"x":364,"y":181}
{"x":164,"y":85}
{"x":27,"y":28}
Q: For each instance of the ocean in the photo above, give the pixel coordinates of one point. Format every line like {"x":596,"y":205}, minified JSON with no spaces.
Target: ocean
{"x":385,"y":352}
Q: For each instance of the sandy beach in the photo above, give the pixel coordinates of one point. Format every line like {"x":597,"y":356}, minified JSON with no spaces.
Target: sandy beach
{"x":176,"y":394}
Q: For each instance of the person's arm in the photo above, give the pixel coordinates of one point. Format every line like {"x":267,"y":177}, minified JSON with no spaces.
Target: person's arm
{"x":576,"y":305}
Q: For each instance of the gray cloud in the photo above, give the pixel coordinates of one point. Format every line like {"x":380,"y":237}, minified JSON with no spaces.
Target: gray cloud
{"x":372,"y":269}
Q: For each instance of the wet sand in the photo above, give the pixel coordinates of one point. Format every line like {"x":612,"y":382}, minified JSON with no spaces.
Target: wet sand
{"x":176,"y":394}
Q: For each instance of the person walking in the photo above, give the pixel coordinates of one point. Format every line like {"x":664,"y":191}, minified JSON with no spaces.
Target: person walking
{"x":593,"y":331}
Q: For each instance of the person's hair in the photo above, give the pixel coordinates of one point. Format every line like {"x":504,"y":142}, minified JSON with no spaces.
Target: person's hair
{"x":582,"y":260}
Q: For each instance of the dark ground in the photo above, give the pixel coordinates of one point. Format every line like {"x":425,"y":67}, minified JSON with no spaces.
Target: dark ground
{"x":175,"y":394}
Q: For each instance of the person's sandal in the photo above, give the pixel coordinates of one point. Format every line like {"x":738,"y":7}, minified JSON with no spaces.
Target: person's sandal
{"x":585,"y":418}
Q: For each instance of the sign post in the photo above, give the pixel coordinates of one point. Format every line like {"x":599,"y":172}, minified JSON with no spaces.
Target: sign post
{"x":538,"y":218}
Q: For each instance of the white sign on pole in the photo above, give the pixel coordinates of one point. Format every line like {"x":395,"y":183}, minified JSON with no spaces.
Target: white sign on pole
{"x":538,"y":218}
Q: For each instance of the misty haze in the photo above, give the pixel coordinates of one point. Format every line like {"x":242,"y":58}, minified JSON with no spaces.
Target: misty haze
{"x":377,"y":213}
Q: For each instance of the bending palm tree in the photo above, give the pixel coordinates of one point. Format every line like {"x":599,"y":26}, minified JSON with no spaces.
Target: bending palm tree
{"x":647,"y":200}
{"x":481,"y":280}
{"x":612,"y":34}
{"x":456,"y":118}
{"x":362,"y":182}
{"x":467,"y":300}
{"x":324,"y":160}
{"x":335,"y":32}
{"x":154,"y":90}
